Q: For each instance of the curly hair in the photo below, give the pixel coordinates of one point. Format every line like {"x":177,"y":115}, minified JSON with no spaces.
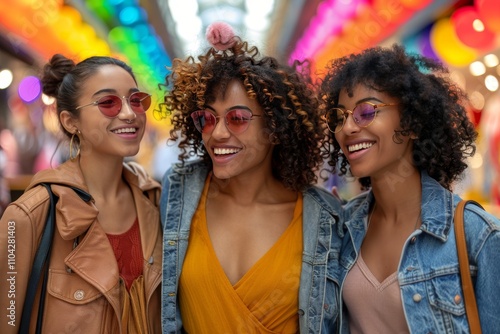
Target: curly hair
{"x":432,"y":107}
{"x":284,"y":92}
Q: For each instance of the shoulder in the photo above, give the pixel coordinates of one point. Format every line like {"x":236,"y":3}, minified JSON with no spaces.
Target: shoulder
{"x":478,"y":217}
{"x":323,"y":198}
{"x":137,"y":176}
{"x":30,"y":208}
{"x":357,"y":201}
{"x":192,"y":169}
{"x":144,"y":180}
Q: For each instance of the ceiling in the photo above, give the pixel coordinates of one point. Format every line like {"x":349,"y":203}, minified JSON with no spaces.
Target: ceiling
{"x":275,"y":26}
{"x":287,"y":20}
{"x":275,"y":32}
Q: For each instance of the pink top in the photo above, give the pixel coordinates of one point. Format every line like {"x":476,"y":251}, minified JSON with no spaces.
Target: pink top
{"x":373,"y":307}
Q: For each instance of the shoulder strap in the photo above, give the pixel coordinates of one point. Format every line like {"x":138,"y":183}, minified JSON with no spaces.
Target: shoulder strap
{"x":39,"y":264}
{"x":463,"y":260}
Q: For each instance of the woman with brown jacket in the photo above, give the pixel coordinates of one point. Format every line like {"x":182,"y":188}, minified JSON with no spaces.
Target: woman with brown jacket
{"x":105,"y":261}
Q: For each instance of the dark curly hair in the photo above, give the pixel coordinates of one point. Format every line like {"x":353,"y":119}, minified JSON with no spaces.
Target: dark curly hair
{"x":431,"y":106}
{"x":284,"y":92}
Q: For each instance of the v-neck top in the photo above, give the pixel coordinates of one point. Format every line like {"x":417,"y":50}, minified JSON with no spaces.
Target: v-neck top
{"x":373,"y":306}
{"x":264,"y":300}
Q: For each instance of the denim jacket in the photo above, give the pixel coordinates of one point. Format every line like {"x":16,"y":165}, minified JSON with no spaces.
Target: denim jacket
{"x":182,"y":188}
{"x":428,"y":272}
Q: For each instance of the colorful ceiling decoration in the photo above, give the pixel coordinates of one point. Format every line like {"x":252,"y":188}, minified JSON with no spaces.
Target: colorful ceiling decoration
{"x":49,"y":27}
{"x":359,"y":24}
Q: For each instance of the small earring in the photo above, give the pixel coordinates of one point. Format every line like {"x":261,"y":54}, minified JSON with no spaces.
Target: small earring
{"x":71,"y":157}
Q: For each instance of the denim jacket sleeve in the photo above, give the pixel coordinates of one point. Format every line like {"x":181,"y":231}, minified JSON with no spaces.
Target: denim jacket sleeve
{"x":484,"y":258}
{"x":181,"y":193}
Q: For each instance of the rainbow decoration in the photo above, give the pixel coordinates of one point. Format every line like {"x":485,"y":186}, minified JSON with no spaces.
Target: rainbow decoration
{"x":48,"y":27}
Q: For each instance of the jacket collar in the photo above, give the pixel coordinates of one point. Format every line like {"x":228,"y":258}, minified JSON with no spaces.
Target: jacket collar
{"x":76,"y":219}
{"x":437,"y":210}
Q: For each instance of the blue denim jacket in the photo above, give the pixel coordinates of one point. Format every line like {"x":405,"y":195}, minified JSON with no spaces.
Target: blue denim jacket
{"x":182,"y":188}
{"x":428,"y":272}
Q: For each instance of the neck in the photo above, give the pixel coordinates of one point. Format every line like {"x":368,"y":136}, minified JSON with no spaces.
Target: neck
{"x":398,"y":198}
{"x":250,"y":190}
{"x":102,"y":176}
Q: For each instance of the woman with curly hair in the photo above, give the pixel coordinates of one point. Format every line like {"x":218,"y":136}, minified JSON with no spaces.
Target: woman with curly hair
{"x":247,"y":235}
{"x":400,"y":126}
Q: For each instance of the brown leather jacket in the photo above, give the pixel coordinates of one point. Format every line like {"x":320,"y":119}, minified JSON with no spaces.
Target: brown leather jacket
{"x":83,"y":290}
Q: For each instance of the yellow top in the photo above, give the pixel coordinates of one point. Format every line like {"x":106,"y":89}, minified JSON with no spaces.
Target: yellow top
{"x":264,"y":300}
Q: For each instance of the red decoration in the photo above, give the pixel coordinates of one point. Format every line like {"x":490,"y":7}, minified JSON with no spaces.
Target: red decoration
{"x":489,"y":10}
{"x":463,"y":20}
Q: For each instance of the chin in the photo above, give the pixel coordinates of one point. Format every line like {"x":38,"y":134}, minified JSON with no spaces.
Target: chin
{"x":222,"y":174}
{"x":131,"y":153}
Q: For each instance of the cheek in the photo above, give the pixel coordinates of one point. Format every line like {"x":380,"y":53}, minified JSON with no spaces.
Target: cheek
{"x":205,"y":138}
{"x":338,"y":138}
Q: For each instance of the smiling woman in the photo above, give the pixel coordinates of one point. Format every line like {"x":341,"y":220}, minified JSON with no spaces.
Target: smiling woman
{"x":244,"y":248}
{"x":400,"y":126}
{"x":105,"y":259}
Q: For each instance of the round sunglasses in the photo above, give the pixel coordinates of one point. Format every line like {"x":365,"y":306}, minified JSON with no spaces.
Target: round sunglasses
{"x":363,"y":115}
{"x":111,"y":105}
{"x":236,"y":120}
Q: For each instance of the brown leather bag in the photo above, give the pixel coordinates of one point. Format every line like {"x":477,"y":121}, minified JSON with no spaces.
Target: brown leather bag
{"x":463,"y":261}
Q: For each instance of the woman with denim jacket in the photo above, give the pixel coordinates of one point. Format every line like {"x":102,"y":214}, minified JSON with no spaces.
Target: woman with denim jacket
{"x":247,"y":236}
{"x":400,"y":126}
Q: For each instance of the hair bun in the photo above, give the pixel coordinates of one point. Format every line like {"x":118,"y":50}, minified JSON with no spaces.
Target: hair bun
{"x":220,"y":35}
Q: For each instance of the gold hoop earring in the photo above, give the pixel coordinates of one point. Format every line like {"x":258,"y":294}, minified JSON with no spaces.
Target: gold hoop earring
{"x":71,"y":157}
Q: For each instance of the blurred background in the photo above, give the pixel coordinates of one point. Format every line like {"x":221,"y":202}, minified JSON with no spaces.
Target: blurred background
{"x":148,"y":34}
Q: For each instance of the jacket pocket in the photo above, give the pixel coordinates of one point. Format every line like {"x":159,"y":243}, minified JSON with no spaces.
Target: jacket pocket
{"x":445,"y":294}
{"x":71,"y":288}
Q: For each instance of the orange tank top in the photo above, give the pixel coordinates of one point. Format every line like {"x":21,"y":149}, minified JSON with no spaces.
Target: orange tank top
{"x":264,"y":300}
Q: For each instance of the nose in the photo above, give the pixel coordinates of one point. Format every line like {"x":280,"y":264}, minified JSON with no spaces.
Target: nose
{"x":220,"y":130}
{"x":350,"y":126}
{"x":126,"y":112}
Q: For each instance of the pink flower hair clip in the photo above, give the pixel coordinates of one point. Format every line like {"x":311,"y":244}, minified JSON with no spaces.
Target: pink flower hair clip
{"x":220,"y":35}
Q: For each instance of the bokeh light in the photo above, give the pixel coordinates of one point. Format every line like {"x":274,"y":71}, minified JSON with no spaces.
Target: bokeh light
{"x":29,"y":89}
{"x":6,"y":78}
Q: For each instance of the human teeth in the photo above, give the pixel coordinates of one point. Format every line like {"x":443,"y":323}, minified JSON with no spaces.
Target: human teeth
{"x":225,"y":150}
{"x":125,"y":130}
{"x":359,"y":146}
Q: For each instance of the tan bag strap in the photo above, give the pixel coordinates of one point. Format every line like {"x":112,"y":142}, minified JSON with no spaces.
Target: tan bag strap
{"x":463,"y":261}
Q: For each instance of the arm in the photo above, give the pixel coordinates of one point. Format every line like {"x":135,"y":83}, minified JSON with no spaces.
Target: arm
{"x":487,"y":285}
{"x":17,"y":248}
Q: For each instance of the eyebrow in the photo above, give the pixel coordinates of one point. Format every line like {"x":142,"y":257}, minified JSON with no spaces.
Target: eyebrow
{"x":230,"y":108}
{"x":113,"y":91}
{"x":366,"y":99}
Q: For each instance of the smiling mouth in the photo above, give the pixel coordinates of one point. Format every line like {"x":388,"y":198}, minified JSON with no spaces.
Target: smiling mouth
{"x":359,"y":147}
{"x":125,"y":130}
{"x":224,"y":151}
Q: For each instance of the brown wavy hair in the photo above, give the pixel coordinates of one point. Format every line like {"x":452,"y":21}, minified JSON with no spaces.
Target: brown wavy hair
{"x":284,"y":92}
